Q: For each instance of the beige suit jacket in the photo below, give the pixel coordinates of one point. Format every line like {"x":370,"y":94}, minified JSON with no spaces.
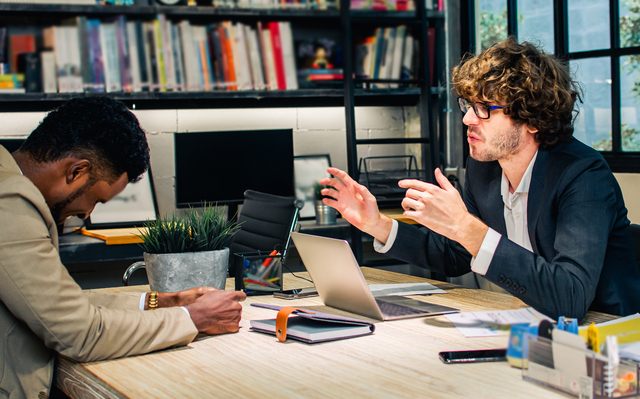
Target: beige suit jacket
{"x":44,"y":311}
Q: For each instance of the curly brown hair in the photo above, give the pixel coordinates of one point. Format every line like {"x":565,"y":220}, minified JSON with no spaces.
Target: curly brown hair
{"x":536,"y":87}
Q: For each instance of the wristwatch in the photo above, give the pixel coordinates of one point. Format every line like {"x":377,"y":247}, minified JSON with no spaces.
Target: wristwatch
{"x":153,"y":300}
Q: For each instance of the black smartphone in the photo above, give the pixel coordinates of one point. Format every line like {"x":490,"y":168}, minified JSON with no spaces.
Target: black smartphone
{"x":474,"y":356}
{"x":297,"y":293}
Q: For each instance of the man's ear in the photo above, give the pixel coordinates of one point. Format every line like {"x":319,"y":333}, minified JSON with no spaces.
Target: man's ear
{"x":531,"y":129}
{"x":78,"y":170}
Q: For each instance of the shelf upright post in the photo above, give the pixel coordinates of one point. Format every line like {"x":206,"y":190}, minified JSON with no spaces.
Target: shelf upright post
{"x":349,"y":105}
{"x":427,"y":126}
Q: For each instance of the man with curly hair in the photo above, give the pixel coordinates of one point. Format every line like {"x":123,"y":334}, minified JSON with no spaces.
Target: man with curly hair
{"x":83,"y":153}
{"x":541,"y":215}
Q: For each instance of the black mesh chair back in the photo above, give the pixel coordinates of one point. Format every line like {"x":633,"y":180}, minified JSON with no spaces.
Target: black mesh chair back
{"x":266,"y":224}
{"x":635,"y":237}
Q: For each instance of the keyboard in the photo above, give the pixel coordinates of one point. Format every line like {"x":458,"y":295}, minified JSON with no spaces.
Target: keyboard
{"x":393,"y":310}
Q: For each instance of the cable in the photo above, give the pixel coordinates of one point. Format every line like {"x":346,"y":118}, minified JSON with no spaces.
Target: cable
{"x":293,"y":274}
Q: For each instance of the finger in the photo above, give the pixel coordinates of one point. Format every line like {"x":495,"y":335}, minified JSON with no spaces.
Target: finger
{"x":443,"y":181}
{"x":340,"y":174}
{"x":415,"y":184}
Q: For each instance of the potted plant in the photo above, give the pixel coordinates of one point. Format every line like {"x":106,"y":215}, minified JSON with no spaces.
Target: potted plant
{"x":324,"y":213}
{"x":186,"y":251}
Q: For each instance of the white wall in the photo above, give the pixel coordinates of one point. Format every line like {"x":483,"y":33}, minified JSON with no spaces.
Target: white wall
{"x":630,"y":186}
{"x":316,"y":131}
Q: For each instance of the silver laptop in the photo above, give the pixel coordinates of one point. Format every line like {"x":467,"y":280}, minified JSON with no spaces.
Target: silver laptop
{"x":340,"y":283}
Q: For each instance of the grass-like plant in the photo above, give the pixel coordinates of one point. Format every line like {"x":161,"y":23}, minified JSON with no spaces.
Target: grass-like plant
{"x":195,"y":231}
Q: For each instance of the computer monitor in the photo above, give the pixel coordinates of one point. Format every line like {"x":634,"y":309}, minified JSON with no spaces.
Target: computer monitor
{"x":218,"y":167}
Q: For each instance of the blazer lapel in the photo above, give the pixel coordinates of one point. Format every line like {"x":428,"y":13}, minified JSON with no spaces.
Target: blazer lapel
{"x":496,"y":204}
{"x":535,"y":193}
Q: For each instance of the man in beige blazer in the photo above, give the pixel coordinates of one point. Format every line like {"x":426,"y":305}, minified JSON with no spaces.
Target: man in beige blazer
{"x":83,"y":153}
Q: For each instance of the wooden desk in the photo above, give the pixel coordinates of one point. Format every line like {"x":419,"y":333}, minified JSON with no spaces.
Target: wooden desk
{"x":399,"y":361}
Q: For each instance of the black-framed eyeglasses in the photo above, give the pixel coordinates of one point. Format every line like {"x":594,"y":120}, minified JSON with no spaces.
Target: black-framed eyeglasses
{"x":482,"y":110}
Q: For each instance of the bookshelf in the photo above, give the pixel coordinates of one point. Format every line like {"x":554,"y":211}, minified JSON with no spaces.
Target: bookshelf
{"x":344,"y":24}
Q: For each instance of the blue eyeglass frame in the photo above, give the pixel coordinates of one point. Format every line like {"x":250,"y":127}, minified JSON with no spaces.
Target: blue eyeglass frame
{"x":475,"y":110}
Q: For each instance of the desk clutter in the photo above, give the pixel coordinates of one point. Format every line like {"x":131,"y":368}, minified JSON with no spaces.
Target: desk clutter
{"x":585,"y":362}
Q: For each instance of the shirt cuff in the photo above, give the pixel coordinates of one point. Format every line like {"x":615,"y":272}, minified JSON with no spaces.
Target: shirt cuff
{"x":143,"y":300}
{"x":480,"y":263}
{"x":186,"y":311}
{"x":384,"y":248}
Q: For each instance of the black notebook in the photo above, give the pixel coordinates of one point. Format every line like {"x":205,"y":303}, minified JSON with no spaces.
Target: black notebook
{"x":314,"y":326}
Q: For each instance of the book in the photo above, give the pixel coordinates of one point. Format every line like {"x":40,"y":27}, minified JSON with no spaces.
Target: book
{"x":191,"y":67}
{"x":253,"y":47}
{"x":48,"y":72}
{"x":313,"y":327}
{"x":19,"y":44}
{"x":95,"y":56}
{"x":268,"y":62}
{"x":398,"y":49}
{"x":109,"y":44}
{"x":288,"y":56}
{"x":276,"y":43}
{"x":363,"y":52}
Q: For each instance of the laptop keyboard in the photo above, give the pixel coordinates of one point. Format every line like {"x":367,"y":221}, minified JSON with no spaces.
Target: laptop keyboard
{"x":394,"y":310}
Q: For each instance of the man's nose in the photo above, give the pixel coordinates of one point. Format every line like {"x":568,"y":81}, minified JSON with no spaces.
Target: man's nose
{"x":470,"y":117}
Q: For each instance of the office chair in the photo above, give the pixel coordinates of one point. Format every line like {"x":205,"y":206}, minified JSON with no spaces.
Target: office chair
{"x":635,"y":237}
{"x":266,"y":222}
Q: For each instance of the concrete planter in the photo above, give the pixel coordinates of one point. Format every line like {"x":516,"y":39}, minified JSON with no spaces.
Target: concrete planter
{"x":181,"y":271}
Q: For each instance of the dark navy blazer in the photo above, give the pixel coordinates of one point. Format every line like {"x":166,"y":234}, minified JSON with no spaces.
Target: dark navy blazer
{"x":583,"y":257}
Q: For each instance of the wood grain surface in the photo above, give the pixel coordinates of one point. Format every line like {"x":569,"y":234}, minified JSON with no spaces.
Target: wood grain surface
{"x":400,"y":360}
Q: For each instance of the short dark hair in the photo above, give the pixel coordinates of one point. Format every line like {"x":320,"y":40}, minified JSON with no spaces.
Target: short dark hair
{"x":100,"y":129}
{"x":537,"y":88}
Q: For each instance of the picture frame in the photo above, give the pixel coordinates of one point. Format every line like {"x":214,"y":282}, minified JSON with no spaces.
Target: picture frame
{"x":135,"y":205}
{"x":309,"y":170}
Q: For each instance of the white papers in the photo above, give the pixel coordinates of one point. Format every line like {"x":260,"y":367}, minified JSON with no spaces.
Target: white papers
{"x":404,"y":289}
{"x":493,"y":323}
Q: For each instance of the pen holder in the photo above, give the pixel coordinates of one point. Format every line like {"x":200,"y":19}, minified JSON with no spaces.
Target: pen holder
{"x":258,"y":273}
{"x":577,"y":371}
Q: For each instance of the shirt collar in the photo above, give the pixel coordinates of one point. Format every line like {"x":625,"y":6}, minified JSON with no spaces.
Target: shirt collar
{"x":525,"y":182}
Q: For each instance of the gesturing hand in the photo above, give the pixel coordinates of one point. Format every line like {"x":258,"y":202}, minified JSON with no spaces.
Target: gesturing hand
{"x":217,"y":311}
{"x":442,"y":210}
{"x":356,"y":204}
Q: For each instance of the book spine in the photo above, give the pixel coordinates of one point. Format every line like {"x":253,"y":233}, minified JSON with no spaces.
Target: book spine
{"x":123,"y":54}
{"x":276,"y":42}
{"x":108,"y":36}
{"x":256,"y":59}
{"x":95,"y":56}
{"x":178,"y":58}
{"x":134,"y":60}
{"x":245,"y":82}
{"x":216,"y":56}
{"x":288,"y":56}
{"x":268,"y":64}
{"x":143,"y":57}
{"x":227,"y":54}
{"x":48,"y":70}
{"x":398,"y":49}
{"x":407,"y":58}
{"x":189,"y":57}
{"x":85,"y":56}
{"x":159,"y":53}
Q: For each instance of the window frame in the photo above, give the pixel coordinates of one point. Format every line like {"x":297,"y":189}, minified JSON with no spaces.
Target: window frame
{"x":619,"y":161}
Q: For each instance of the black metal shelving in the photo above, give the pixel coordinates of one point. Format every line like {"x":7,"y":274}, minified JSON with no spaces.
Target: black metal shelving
{"x":354,"y":92}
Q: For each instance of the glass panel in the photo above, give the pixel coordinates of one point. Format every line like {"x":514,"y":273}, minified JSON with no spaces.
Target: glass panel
{"x":588,"y":25}
{"x":629,"y":23}
{"x":535,"y":23}
{"x":630,"y":102}
{"x":593,"y":125}
{"x":492,"y":22}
